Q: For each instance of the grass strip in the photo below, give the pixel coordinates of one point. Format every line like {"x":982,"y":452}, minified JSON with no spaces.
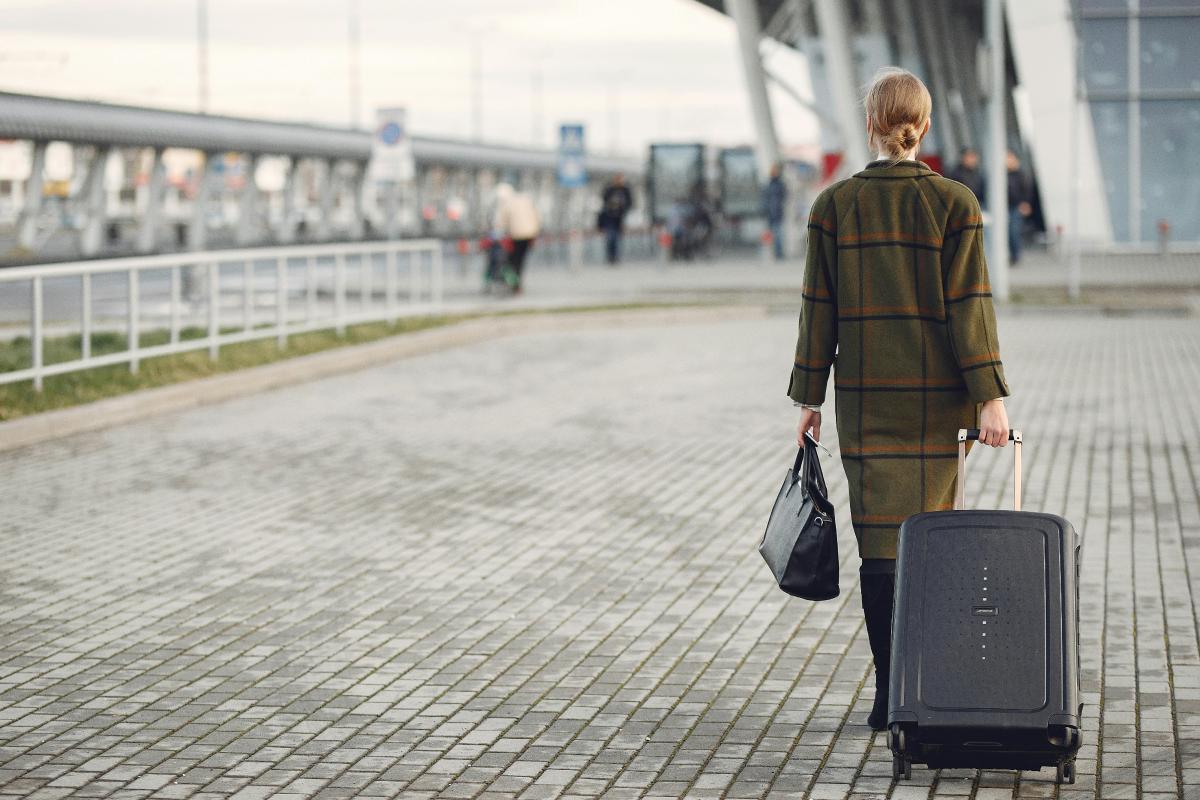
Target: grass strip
{"x":75,"y":388}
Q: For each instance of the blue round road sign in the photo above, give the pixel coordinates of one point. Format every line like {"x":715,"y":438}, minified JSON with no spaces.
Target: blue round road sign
{"x":390,"y":133}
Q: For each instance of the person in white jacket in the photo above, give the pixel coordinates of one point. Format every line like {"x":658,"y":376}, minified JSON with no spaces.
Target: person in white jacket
{"x":517,"y":219}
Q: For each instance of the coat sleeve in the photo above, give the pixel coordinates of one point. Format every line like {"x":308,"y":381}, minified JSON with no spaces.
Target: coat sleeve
{"x":817,"y":341}
{"x":970,"y":317}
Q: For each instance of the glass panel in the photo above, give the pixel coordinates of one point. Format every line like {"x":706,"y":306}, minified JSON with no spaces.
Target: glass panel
{"x":1180,"y":5}
{"x":1170,"y":140}
{"x":1169,"y":53}
{"x":1111,"y":123}
{"x":1105,"y":54}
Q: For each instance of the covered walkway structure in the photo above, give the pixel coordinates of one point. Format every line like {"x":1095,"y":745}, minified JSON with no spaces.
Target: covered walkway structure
{"x":326,"y":191}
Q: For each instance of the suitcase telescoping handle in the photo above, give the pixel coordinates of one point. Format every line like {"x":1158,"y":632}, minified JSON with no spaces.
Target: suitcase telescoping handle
{"x":972,"y":434}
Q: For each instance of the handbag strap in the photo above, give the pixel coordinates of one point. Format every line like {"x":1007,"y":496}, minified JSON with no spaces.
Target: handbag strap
{"x":814,"y":477}
{"x":807,"y":472}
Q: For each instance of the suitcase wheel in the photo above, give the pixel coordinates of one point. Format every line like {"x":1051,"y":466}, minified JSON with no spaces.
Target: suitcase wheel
{"x":896,"y":738}
{"x":1066,"y":772}
{"x":901,"y":768}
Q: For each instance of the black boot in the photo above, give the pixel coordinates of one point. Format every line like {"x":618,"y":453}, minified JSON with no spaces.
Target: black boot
{"x":878,"y":592}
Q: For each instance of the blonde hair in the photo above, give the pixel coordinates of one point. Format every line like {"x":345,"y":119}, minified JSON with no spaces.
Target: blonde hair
{"x":898,"y":105}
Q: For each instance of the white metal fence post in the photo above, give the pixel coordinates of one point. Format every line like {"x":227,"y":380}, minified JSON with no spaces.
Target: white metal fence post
{"x":247,"y":295}
{"x":214,"y":310}
{"x":85,"y":317}
{"x":339,"y":294}
{"x":176,"y":302}
{"x":134,"y":315}
{"x":35,"y":338}
{"x":435,"y":289}
{"x":414,"y":276}
{"x":365,"y":280}
{"x":281,"y":301}
{"x":390,"y":277}
{"x":310,"y":289}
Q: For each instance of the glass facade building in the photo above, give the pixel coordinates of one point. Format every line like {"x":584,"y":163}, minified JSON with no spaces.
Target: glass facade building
{"x":1140,"y":61}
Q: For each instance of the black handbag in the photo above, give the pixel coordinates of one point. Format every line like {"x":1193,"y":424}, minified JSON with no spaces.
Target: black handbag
{"x":800,"y":543}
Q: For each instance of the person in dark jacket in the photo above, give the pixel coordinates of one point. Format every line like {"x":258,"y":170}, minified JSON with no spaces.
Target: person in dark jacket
{"x":896,"y":284}
{"x":967,"y":173}
{"x":615,"y":204}
{"x":1020,"y":206}
{"x":774,"y":204}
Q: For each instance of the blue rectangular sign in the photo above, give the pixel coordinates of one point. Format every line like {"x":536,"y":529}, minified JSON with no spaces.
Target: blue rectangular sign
{"x":572,"y":169}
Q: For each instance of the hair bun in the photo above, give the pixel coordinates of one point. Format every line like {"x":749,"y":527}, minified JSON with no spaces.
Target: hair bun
{"x":901,"y":139}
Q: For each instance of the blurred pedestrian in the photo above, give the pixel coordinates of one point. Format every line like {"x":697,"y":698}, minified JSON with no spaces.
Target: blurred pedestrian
{"x":690,"y":226}
{"x":517,"y":219}
{"x":615,"y":203}
{"x":909,"y":378}
{"x":1020,"y":206}
{"x":968,"y":173}
{"x":774,"y":202}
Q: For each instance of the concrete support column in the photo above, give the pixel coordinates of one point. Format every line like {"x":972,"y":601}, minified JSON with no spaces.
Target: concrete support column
{"x":900,"y":21}
{"x":96,"y":202}
{"x":843,"y":83}
{"x":475,"y":220}
{"x":958,"y":61}
{"x":27,"y":221}
{"x":358,"y":210}
{"x":285,"y":232}
{"x":936,"y":62}
{"x":248,"y":202}
{"x":749,"y":30}
{"x":198,"y":234}
{"x":327,"y":195}
{"x":962,"y":30}
{"x":997,"y":171}
{"x":147,"y":238}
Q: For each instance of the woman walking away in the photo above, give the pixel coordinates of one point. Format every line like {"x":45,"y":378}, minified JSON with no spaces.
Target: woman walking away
{"x":896,"y":288}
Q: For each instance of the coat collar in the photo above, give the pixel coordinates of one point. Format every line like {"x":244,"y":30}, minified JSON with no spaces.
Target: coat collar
{"x":901,"y":169}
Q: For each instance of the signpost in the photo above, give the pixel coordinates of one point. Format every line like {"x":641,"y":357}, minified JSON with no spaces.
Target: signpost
{"x":572,"y":169}
{"x":572,"y":176}
{"x":392,"y":161}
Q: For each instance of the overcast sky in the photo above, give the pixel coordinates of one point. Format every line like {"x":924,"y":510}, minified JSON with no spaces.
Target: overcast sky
{"x":632,"y":70}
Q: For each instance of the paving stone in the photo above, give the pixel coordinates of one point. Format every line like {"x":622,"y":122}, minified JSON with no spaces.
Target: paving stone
{"x":527,"y":569}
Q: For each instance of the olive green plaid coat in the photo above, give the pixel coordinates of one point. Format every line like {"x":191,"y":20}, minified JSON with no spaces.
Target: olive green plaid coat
{"x":896,"y":294}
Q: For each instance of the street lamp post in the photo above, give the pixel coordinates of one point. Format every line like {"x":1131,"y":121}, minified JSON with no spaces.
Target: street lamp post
{"x":202,"y":55}
{"x":998,"y":146}
{"x":355,"y":47}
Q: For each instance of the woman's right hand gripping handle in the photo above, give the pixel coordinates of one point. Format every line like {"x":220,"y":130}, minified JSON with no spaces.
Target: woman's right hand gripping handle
{"x":993,"y":423}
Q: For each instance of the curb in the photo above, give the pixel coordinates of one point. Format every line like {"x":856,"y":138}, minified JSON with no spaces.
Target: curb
{"x":112,"y":411}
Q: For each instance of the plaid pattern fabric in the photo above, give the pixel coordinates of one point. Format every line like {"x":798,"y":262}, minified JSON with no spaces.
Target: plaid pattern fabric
{"x":896,"y":291}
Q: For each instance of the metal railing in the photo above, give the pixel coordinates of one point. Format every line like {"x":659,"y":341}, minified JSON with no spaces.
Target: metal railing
{"x":277,"y":292}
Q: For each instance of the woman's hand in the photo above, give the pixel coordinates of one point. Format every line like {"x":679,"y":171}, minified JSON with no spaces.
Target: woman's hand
{"x":809,"y":420}
{"x":993,"y":423}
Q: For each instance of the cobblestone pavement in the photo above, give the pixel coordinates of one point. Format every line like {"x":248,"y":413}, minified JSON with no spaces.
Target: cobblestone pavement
{"x":528,"y":568}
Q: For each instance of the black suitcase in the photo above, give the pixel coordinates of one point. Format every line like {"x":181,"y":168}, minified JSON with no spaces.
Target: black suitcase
{"x":985,"y":649}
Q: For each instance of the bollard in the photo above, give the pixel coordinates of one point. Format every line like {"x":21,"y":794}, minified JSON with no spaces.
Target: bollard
{"x":575,"y":246}
{"x":463,"y":248}
{"x":1060,"y":251}
{"x":1164,"y":236}
{"x":767,"y":249}
{"x":664,"y":246}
